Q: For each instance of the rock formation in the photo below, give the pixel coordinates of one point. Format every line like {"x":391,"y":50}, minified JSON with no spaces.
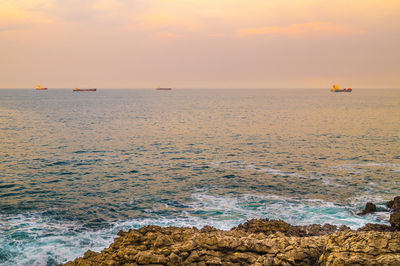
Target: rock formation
{"x":368,"y":248}
{"x":257,"y":242}
{"x":369,"y":208}
{"x":395,"y":220}
{"x":395,"y":216}
{"x":394,"y":204}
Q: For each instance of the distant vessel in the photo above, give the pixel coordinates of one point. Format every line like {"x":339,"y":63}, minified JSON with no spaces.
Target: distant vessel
{"x":163,"y":89}
{"x":335,"y":88}
{"x":76,"y":89}
{"x":40,"y":88}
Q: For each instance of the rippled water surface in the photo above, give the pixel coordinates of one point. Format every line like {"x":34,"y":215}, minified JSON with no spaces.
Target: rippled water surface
{"x":77,"y":167}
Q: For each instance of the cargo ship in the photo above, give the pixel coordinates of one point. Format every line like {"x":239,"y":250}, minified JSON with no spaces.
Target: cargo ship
{"x":335,"y":88}
{"x":76,"y":89}
{"x":40,"y":88}
{"x":163,"y":89}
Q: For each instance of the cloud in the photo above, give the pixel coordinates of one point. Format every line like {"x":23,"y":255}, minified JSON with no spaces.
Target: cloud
{"x":165,"y":36}
{"x":162,"y":26}
{"x":154,"y":21}
{"x":72,"y":12}
{"x":12,"y":19}
{"x":310,"y":29}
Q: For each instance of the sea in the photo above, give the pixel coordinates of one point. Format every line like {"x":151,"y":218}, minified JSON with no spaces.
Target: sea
{"x":77,"y":167}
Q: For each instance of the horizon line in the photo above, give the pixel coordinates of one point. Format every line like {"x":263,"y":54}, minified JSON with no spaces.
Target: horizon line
{"x":193,"y":88}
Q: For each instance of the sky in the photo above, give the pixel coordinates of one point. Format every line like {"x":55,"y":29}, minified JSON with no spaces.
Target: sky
{"x":199,"y":43}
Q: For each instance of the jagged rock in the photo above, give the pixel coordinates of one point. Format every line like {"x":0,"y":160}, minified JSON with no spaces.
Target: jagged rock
{"x":268,"y":227}
{"x":395,"y":220}
{"x":344,"y":228}
{"x":319,"y":230}
{"x":377,"y":228}
{"x":366,"y":248}
{"x":394,"y":204}
{"x":257,"y":242}
{"x":369,"y":208}
{"x":395,"y":216}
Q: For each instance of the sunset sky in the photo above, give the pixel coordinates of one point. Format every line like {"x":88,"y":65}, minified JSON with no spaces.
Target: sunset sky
{"x":199,"y":43}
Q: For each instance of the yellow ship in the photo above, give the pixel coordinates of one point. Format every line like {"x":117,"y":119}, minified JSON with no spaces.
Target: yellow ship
{"x":335,"y":88}
{"x":40,"y":88}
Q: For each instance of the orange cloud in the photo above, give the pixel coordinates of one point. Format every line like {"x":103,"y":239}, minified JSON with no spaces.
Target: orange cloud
{"x":311,"y":29}
{"x":17,"y":19}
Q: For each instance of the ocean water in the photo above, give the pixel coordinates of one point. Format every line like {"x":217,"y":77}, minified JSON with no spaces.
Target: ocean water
{"x":75,"y":168}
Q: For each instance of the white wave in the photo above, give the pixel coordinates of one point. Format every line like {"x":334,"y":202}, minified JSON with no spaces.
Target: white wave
{"x":241,"y":165}
{"x":36,"y":240}
{"x":292,"y":210}
{"x":278,"y":172}
{"x":362,"y":167}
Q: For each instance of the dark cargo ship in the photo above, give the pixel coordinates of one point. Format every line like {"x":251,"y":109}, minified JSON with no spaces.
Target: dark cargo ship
{"x":76,"y":89}
{"x":163,"y":89}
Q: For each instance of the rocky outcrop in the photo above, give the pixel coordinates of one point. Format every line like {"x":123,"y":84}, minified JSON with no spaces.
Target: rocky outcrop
{"x":268,"y":227}
{"x":394,"y":204}
{"x":190,"y":246}
{"x":369,"y":208}
{"x":395,"y":220}
{"x":367,"y":248}
{"x":395,"y":216}
{"x":376,"y":228}
{"x":257,"y":242}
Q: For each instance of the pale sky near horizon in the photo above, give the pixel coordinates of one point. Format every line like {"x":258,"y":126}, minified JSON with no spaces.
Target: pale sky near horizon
{"x":199,"y":43}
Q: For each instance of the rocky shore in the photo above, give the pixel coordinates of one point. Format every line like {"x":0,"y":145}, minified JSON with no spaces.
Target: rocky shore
{"x":256,"y":242}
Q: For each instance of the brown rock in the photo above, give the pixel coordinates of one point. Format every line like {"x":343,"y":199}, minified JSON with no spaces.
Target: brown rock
{"x":268,"y":227}
{"x":319,"y":230}
{"x":257,"y":242}
{"x":369,"y":208}
{"x":174,"y":259}
{"x":344,"y":228}
{"x":395,"y":220}
{"x":149,"y":257}
{"x":395,"y":216}
{"x":163,"y":240}
{"x":394,"y":204}
{"x":377,"y":228}
{"x":89,"y":254}
{"x":366,"y":248}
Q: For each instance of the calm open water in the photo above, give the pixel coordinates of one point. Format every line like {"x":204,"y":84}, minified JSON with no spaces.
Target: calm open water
{"x":75,"y":168}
